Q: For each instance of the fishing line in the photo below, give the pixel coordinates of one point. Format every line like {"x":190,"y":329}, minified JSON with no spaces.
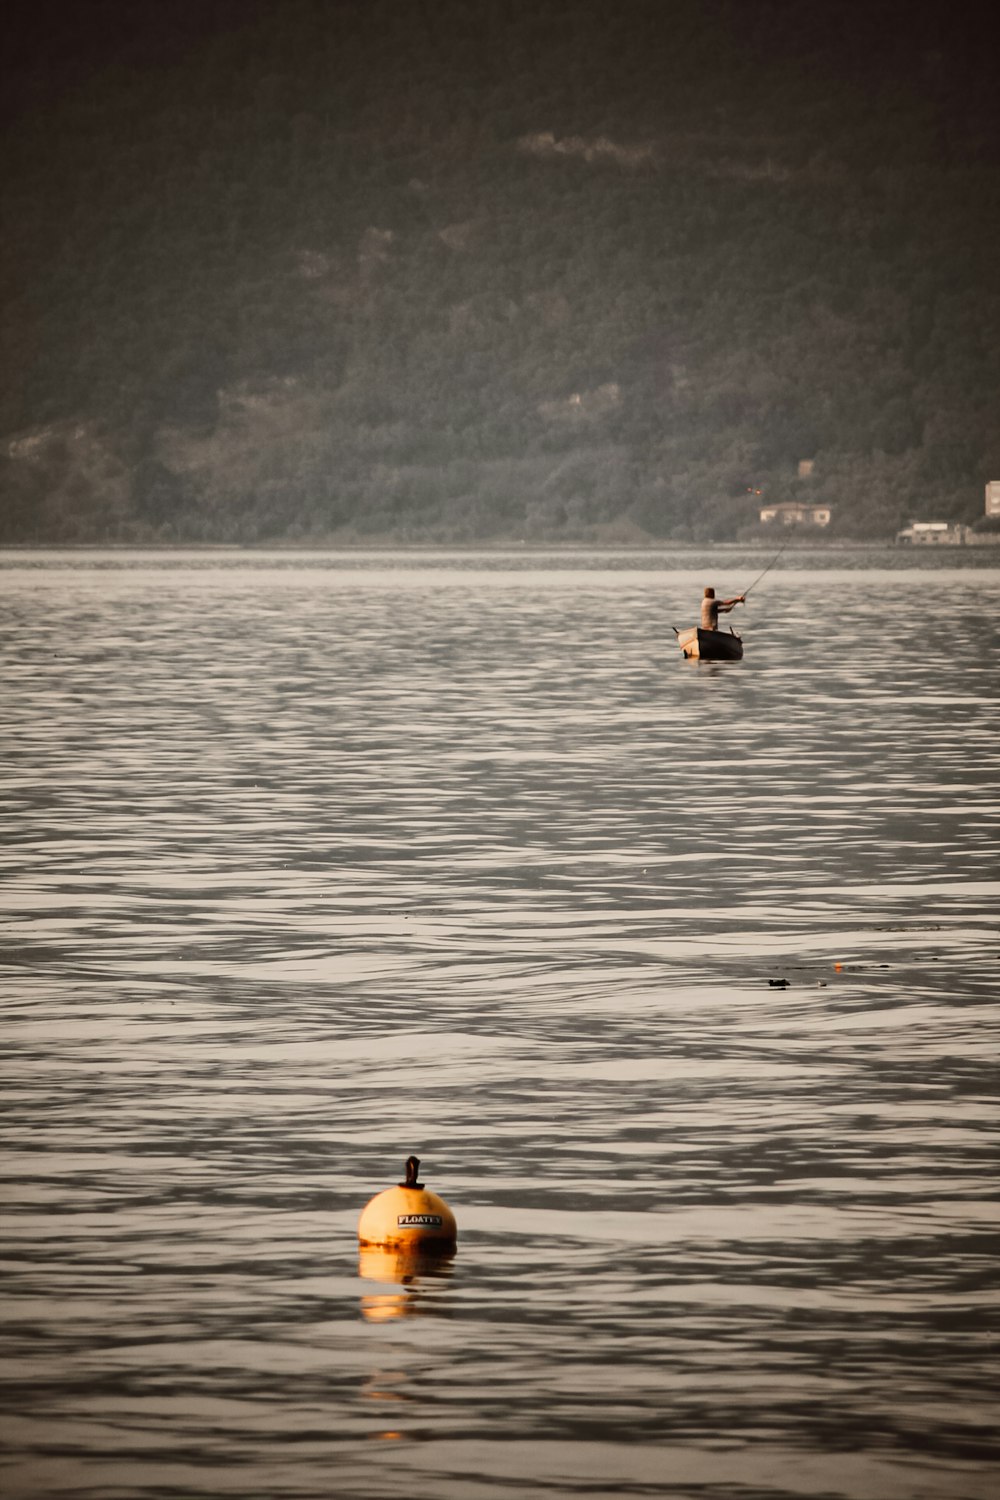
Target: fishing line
{"x":770,"y":565}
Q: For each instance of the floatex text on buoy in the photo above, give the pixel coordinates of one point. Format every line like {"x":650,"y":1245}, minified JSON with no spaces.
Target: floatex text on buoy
{"x":408,"y":1214}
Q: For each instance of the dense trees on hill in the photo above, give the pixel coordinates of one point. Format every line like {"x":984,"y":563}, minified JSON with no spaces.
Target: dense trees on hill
{"x":472,"y":268}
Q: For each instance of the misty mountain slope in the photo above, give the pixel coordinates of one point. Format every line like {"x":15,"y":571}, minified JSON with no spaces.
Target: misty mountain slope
{"x":455,"y":270}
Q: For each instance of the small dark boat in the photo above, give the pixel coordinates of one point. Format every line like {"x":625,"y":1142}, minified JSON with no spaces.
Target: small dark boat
{"x":710,"y":645}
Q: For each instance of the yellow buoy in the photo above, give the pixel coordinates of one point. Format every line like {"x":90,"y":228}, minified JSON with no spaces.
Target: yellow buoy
{"x":408,"y":1215}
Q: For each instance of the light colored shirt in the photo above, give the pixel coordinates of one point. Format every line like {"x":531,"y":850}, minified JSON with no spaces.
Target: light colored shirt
{"x":711,"y":609}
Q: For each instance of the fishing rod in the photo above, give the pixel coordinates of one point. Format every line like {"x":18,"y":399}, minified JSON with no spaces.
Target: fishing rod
{"x":770,"y":565}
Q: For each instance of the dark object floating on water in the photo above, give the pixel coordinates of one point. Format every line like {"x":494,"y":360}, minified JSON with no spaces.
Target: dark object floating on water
{"x":779,"y":984}
{"x":709,"y":645}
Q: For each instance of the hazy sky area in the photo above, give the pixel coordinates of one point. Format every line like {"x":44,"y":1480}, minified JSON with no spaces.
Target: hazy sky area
{"x":473,"y":271}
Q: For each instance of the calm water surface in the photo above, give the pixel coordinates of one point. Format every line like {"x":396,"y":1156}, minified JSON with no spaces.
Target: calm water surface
{"x":309,"y":863}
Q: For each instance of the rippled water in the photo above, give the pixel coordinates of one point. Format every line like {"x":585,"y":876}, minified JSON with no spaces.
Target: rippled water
{"x":680,"y":979}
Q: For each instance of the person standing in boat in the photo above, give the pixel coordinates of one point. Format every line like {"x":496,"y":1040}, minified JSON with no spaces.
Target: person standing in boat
{"x":712,"y":608}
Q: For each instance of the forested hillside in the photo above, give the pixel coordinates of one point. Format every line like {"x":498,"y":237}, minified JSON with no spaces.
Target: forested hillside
{"x":469,"y":269}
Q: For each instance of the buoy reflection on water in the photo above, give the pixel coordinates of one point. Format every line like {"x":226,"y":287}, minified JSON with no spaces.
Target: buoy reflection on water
{"x":406,"y":1269}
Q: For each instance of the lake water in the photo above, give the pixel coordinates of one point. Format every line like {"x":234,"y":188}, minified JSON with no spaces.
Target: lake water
{"x":680,"y":978}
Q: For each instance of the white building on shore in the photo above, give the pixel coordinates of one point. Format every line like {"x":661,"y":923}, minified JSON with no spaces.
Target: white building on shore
{"x":933,"y":534}
{"x":791,"y":513}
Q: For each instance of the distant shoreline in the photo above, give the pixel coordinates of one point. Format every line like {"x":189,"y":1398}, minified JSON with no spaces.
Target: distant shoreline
{"x":508,"y":546}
